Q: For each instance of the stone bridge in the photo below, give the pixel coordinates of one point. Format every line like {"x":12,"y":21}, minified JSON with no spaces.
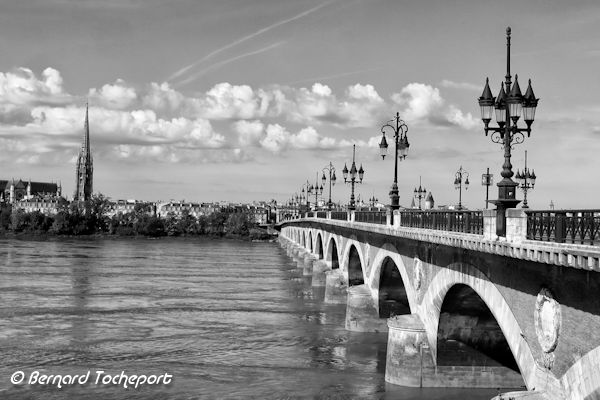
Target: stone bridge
{"x":462,"y":309}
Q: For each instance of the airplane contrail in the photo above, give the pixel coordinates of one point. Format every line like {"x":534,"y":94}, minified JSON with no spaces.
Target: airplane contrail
{"x":247,"y":37}
{"x":229,"y":60}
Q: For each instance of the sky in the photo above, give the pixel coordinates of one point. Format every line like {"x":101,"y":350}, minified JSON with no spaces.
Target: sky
{"x":243,"y":100}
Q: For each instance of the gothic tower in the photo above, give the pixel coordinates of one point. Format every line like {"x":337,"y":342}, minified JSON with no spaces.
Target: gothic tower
{"x":85,"y":168}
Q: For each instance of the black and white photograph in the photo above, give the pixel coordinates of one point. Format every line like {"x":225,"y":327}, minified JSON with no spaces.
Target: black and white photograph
{"x":299,"y":199}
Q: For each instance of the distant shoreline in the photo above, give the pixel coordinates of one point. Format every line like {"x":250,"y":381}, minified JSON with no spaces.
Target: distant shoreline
{"x":33,"y":236}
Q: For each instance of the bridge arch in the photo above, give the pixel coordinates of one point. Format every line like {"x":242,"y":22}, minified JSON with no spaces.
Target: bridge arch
{"x":319,"y":247}
{"x":468,"y":334}
{"x":475,"y":280}
{"x":355,"y":267}
{"x":333,"y":253}
{"x":580,"y":380}
{"x":310,"y":241}
{"x":303,"y":236}
{"x":389,"y":251}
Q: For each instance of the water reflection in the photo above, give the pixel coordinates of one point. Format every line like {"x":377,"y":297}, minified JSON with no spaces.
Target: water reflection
{"x":81,"y":286}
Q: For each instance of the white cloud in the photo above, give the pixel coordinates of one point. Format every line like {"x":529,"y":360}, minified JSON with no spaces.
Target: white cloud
{"x":22,"y":87}
{"x":308,"y":138}
{"x":116,"y":96}
{"x":424,"y":104}
{"x":276,"y":138}
{"x":163,"y":99}
{"x":249,"y":132}
{"x":419,"y":100}
{"x":457,"y":117}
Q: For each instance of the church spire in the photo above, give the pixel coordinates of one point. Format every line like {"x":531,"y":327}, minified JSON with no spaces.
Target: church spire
{"x":86,"y":131}
{"x":84,"y":169}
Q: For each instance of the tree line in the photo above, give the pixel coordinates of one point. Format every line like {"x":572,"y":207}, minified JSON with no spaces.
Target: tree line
{"x":91,"y":217}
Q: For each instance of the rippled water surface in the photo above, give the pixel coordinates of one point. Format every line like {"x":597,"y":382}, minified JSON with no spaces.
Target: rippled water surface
{"x":228,"y":319}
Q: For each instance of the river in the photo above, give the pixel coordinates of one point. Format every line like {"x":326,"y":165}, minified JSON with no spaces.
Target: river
{"x":226,"y":319}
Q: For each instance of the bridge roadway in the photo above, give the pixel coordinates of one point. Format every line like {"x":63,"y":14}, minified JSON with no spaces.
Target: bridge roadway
{"x":462,"y":309}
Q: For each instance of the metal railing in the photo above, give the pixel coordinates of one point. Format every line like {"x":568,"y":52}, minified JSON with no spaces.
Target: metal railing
{"x":444,"y":220}
{"x":564,"y":226}
{"x":321,"y":214}
{"x":372,"y":217}
{"x":340,"y":215}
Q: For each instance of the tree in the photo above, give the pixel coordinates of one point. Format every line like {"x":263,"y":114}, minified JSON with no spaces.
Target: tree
{"x":61,"y":224}
{"x":216,"y":222}
{"x":5,"y":216}
{"x":187,"y":224}
{"x":39,"y":222}
{"x":95,"y":212}
{"x":239,"y":224}
{"x":172,"y":227}
{"x":19,"y":221}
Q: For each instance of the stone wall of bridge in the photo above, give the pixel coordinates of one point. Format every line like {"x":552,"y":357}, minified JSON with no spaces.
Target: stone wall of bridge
{"x":548,"y":315}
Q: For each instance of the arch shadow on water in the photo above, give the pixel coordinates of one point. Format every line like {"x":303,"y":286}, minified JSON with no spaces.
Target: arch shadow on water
{"x":468,"y":333}
{"x":319,"y":247}
{"x":355,"y":270}
{"x":393,"y":299}
{"x":333,"y":254}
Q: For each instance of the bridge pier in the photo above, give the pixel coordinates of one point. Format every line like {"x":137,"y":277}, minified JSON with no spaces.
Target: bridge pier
{"x":407,"y":351}
{"x":289,"y":248}
{"x":296,"y":250}
{"x":335,"y":287}
{"x":320,"y":267}
{"x":361,"y":312}
{"x":308,"y":262}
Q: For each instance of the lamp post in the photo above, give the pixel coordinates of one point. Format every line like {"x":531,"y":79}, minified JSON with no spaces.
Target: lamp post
{"x":400,"y":131}
{"x":305,"y":192}
{"x":353,"y":175}
{"x":526,"y":180}
{"x":508,"y":106}
{"x":420,"y":193}
{"x":331,"y":171}
{"x":458,"y":184}
{"x":299,"y":201}
{"x":487,"y":180}
{"x":318,"y":190}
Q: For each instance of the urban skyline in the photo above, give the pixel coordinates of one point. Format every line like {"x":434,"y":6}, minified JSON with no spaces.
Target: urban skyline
{"x":245,"y":102}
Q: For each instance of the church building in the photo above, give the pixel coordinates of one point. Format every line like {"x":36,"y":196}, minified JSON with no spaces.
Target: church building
{"x":18,"y":190}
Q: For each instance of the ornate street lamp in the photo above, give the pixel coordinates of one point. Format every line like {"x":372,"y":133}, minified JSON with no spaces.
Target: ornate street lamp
{"x":487,"y":180}
{"x":352,"y":178}
{"x":331,"y":171}
{"x":420,"y":193}
{"x":458,"y":184}
{"x":526,"y":180}
{"x":400,"y":131}
{"x":304,"y":195}
{"x":508,"y":106}
{"x":317,"y":190}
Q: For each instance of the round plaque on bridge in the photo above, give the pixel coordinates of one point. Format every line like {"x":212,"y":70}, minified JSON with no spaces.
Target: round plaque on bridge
{"x":547,"y":320}
{"x":418,"y":270}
